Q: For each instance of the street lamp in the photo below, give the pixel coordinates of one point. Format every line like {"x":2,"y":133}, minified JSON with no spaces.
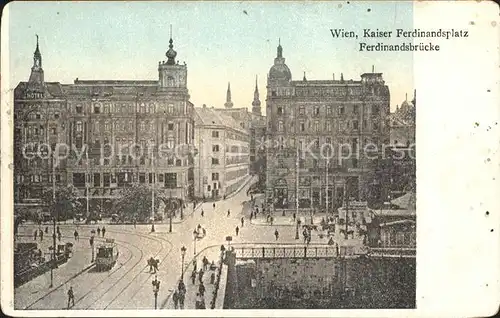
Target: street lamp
{"x":92,"y":234}
{"x":297,"y":230}
{"x":183,"y":253}
{"x":156,"y":288}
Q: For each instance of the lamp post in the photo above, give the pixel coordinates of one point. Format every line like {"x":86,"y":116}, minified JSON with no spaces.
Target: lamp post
{"x":297,"y":229}
{"x":195,"y":236}
{"x":153,"y":198}
{"x":183,"y":254}
{"x":92,"y":234}
{"x":54,"y":223}
{"x":170,"y":212}
{"x":156,"y":288}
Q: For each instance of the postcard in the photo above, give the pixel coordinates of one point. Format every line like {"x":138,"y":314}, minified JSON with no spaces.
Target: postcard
{"x":218,"y":158}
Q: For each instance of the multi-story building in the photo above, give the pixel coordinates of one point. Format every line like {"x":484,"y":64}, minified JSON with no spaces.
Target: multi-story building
{"x":402,"y":123}
{"x":223,"y":149}
{"x":319,"y":137}
{"x":114,"y":132}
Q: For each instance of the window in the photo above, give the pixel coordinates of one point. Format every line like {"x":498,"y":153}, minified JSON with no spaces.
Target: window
{"x":106,"y":126}
{"x":328,"y":126}
{"x":316,"y":111}
{"x":142,"y":108}
{"x":215,"y":134}
{"x":355,"y":125}
{"x":170,"y":108}
{"x":328,"y":140}
{"x":355,"y":109}
{"x":170,"y":126}
{"x":215,"y":148}
{"x":209,"y":188}
{"x":364,"y":124}
{"x":302,"y":110}
{"x":375,"y":109}
{"x":280,"y":125}
{"x":142,"y":178}
{"x":302,"y":126}
{"x":78,"y":109}
{"x":53,"y":131}
{"x":328,"y":110}
{"x":170,"y":143}
{"x":56,"y":115}
{"x":280,"y":110}
{"x":215,"y":176}
{"x":160,"y":177}
{"x":79,"y":126}
{"x":316,"y":126}
{"x":301,"y":163}
{"x":341,"y":110}
{"x":375,"y":125}
{"x":97,"y":109}
{"x":171,"y":180}
{"x":354,"y":162}
{"x":143,"y":126}
{"x":215,"y":161}
{"x":178,"y":162}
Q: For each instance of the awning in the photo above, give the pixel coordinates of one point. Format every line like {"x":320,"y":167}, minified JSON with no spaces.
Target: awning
{"x":406,"y":201}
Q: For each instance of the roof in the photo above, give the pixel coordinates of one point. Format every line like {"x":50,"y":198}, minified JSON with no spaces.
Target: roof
{"x":205,"y":116}
{"x":326,"y":83}
{"x":54,"y":89}
{"x":116,"y":82}
{"x":394,"y":213}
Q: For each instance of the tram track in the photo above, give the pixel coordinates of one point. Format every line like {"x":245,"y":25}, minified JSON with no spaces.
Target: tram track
{"x":73,"y":278}
{"x":132,"y":279}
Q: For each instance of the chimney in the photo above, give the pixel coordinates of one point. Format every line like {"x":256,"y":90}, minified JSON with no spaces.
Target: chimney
{"x":373,"y":68}
{"x":204,"y":106}
{"x":333,"y":76}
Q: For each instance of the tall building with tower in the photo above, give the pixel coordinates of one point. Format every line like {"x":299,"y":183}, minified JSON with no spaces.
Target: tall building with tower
{"x":316,"y":135}
{"x":115,"y":132}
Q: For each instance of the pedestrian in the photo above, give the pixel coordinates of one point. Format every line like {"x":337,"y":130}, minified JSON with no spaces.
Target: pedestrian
{"x":242,"y":221}
{"x":193,"y":277}
{"x":251,"y":216}
{"x":204,"y":232}
{"x":181,"y":299}
{"x":272,"y":219}
{"x":175,"y":298}
{"x":200,"y":275}
{"x":57,"y":229}
{"x":71,"y":296}
{"x":201,"y":289}
{"x":213,"y":205}
{"x":135,"y":223}
{"x":41,"y":235}
{"x":205,"y":263}
{"x":150,"y":263}
{"x":294,"y":217}
{"x":76,"y":235}
{"x":212,"y":278}
{"x":59,"y":236}
{"x":228,"y":212}
{"x":98,"y":231}
{"x":46,"y":230}
{"x":155,"y":265}
{"x":237,"y":230}
{"x":195,"y":265}
{"x":197,"y":304}
{"x":256,"y":210}
{"x":35,"y":235}
{"x":182,"y":288}
{"x":202,"y":213}
{"x":276,"y":234}
{"x":103,"y":231}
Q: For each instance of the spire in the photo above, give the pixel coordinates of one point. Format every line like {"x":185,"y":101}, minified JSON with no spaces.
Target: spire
{"x":229,"y":103}
{"x":280,"y":49}
{"x":373,"y":68}
{"x":171,"y":53}
{"x":406,"y":97}
{"x":341,"y":77}
{"x":36,"y":80}
{"x":256,"y":101}
{"x":304,"y":79}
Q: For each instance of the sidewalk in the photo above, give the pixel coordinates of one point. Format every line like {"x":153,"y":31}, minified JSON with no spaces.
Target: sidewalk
{"x":37,"y":288}
{"x":285,"y":220}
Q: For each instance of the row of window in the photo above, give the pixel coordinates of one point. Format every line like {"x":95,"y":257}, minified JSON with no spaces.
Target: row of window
{"x":231,"y":175}
{"x":328,"y":126}
{"x":123,"y":125}
{"x":143,"y":108}
{"x":316,"y":110}
{"x":236,"y":160}
{"x":39,"y":116}
{"x":318,"y":141}
{"x":36,"y":178}
{"x":123,"y":178}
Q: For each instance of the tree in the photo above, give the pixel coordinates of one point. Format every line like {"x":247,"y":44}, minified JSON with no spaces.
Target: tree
{"x":65,"y":204}
{"x":135,"y":202}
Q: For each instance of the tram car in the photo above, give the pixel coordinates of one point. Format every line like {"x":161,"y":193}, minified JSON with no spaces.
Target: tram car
{"x":107,"y":254}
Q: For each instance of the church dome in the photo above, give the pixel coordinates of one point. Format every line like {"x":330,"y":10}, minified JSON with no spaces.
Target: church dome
{"x":171,"y":53}
{"x":280,"y":71}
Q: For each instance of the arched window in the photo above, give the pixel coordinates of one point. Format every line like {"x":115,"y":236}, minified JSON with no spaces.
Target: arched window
{"x":170,"y":81}
{"x":143,"y":125}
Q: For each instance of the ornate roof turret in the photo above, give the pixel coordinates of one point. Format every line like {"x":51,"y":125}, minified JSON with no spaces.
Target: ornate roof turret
{"x":280,"y":71}
{"x":171,"y":53}
{"x":36,"y":81}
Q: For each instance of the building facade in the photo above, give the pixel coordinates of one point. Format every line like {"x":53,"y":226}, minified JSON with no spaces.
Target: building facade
{"x":317,"y":132}
{"x":108,"y":134}
{"x":222,"y":165}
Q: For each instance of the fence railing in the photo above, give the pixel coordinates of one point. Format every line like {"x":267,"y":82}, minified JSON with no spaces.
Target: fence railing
{"x":393,"y":252}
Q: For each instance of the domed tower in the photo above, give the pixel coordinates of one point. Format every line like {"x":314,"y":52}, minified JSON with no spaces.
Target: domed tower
{"x":171,"y":74}
{"x":279,"y":72}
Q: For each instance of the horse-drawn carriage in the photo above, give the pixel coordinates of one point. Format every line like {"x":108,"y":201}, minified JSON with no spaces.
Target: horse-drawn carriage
{"x":107,"y":254}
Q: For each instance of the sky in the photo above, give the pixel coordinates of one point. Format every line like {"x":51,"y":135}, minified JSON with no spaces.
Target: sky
{"x":221,"y":42}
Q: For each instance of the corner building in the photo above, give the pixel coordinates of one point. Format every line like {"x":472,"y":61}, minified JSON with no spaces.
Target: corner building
{"x":109,"y":117}
{"x":306,"y":115}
